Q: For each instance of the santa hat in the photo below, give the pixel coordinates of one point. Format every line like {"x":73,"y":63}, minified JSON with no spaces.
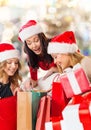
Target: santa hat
{"x":8,"y":51}
{"x":29,"y":29}
{"x":63,"y":43}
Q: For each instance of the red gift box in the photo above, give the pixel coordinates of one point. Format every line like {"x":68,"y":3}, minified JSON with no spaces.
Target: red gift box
{"x":79,"y":110}
{"x":74,"y":81}
{"x":63,"y":125}
{"x":76,"y":115}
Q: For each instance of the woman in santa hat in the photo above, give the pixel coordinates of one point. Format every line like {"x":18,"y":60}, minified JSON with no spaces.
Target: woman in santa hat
{"x":35,"y":46}
{"x":67,"y":56}
{"x":65,"y":52}
{"x":9,"y":70}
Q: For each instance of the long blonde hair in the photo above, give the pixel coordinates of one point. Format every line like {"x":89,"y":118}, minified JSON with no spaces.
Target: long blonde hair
{"x":75,"y":58}
{"x":13,"y":79}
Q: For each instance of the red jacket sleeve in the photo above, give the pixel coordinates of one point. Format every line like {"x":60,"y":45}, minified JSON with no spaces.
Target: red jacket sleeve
{"x":42,"y":65}
{"x":33,"y":73}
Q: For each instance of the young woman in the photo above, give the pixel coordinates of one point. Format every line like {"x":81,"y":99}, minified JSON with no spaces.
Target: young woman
{"x":65,"y":52}
{"x":35,"y":46}
{"x":9,"y":70}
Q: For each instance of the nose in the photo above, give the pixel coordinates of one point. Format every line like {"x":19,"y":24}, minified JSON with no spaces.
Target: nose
{"x":13,"y":65}
{"x":55,"y":60}
{"x":33,"y":45}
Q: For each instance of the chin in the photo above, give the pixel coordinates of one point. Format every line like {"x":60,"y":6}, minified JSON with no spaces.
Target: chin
{"x":38,"y":53}
{"x":11,"y":74}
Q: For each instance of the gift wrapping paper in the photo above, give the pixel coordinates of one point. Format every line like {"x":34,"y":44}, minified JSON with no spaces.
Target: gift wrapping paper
{"x":76,"y":115}
{"x":75,"y":82}
{"x":63,"y":125}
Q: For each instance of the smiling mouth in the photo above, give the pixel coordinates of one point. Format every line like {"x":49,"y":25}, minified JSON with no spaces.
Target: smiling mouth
{"x":37,"y":50}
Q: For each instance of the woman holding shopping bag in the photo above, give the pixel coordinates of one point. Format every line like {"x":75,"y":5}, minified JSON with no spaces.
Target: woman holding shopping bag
{"x":35,"y":46}
{"x":9,"y":85}
{"x":9,"y":70}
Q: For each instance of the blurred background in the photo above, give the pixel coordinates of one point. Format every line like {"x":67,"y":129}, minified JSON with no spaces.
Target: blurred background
{"x":55,"y":17}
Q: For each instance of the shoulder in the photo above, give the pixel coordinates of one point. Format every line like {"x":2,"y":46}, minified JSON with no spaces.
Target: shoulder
{"x":86,"y":65}
{"x":86,"y":61}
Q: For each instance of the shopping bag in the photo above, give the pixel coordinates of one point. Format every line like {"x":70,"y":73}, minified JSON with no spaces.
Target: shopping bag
{"x":27,"y":107}
{"x":59,"y":100}
{"x":36,"y":96}
{"x":24,"y":111}
{"x":8,"y":113}
{"x":43,"y":114}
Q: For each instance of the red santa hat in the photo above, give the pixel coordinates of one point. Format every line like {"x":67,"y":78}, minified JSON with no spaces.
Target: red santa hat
{"x":29,"y":29}
{"x":8,"y":51}
{"x":63,"y":43}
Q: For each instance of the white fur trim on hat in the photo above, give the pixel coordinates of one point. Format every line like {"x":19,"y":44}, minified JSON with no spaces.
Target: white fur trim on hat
{"x":62,"y":47}
{"x":30,"y":31}
{"x":9,"y":54}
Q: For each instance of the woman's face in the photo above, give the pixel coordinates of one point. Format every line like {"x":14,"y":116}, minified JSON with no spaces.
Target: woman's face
{"x":11,"y":66}
{"x":63,"y":60}
{"x":34,"y":44}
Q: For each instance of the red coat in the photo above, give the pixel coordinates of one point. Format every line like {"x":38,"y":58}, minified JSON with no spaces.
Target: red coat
{"x":42,"y":65}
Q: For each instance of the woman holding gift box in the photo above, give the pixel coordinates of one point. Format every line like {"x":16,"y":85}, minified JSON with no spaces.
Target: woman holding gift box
{"x":65,"y":52}
{"x":9,"y":70}
{"x":67,"y":56}
{"x":35,"y":46}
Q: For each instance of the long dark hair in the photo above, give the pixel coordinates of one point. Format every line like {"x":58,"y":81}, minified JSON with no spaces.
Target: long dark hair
{"x":33,"y":59}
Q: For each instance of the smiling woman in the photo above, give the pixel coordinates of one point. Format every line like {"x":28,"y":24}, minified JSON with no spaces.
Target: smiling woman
{"x":9,"y":70}
{"x":35,"y":46}
{"x":66,"y":53}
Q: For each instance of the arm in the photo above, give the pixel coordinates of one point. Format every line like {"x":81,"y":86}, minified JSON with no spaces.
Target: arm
{"x":52,"y":69}
{"x":33,"y":73}
{"x":30,"y":82}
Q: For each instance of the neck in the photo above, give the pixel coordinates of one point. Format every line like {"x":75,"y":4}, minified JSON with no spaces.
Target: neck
{"x":4,"y":80}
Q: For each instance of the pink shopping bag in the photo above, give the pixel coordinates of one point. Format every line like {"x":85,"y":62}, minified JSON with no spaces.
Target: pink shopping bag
{"x":43,"y":113}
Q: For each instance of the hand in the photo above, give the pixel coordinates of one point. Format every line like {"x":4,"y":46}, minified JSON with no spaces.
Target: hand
{"x":28,"y":84}
{"x":18,"y":89}
{"x":50,"y":72}
{"x":25,"y":85}
{"x":34,"y":83}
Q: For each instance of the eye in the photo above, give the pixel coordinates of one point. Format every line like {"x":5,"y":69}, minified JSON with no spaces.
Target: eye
{"x":9,"y":62}
{"x":36,"y":40}
{"x":29,"y":43}
{"x":16,"y":63}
